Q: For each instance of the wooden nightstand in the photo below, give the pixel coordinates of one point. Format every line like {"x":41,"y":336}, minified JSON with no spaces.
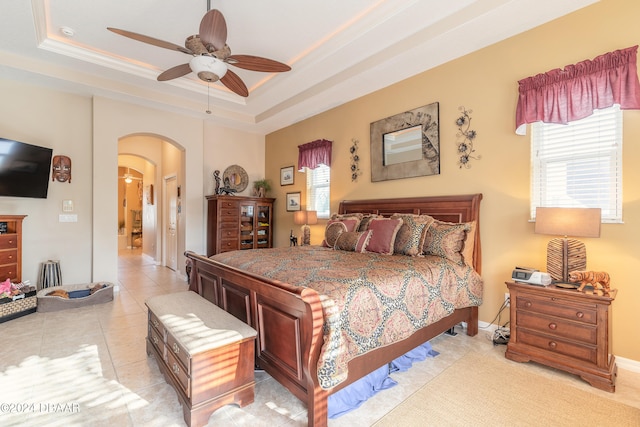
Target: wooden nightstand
{"x":564,"y":329}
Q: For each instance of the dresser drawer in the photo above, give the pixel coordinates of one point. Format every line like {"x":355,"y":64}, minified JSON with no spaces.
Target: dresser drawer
{"x":178,"y":372}
{"x":228,"y":233}
{"x":8,"y":257}
{"x":8,"y":272}
{"x":557,"y":345}
{"x":178,"y":352}
{"x":229,"y":214}
{"x":227,"y":245}
{"x":156,"y":339}
{"x":8,"y":241}
{"x":558,"y":307}
{"x":229,"y":204}
{"x":585,"y":333}
{"x":156,"y":323}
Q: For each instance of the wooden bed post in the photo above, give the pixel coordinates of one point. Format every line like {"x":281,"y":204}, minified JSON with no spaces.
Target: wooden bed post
{"x":317,"y":404}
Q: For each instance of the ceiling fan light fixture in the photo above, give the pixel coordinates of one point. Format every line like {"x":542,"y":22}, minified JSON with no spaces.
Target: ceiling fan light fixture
{"x":208,"y":68}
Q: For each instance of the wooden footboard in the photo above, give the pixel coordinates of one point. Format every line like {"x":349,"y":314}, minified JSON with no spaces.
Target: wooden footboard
{"x":289,"y":319}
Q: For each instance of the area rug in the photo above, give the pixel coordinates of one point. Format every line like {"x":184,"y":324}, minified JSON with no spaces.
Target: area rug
{"x":481,"y":391}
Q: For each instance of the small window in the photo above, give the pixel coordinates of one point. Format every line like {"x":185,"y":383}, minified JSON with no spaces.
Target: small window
{"x":318,"y":186}
{"x":579,"y":164}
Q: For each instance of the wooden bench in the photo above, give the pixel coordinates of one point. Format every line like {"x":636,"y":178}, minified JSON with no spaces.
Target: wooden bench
{"x":205,"y":353}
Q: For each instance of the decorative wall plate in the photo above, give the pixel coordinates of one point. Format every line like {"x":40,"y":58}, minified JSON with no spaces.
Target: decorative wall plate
{"x":236,"y":178}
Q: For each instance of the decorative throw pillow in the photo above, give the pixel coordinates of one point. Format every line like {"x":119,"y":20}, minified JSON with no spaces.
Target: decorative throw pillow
{"x":384,"y":235}
{"x":364,"y":222}
{"x":349,"y":217}
{"x":335,"y":228}
{"x":410,"y":237}
{"x":446,"y":240}
{"x":469,"y":243}
{"x":354,"y":241}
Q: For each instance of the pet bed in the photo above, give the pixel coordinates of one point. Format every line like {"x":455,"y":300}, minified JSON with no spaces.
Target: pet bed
{"x":78,"y":296}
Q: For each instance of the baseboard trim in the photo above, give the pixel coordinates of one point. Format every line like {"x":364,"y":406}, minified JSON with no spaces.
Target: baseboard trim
{"x":622,"y":362}
{"x":628,"y":364}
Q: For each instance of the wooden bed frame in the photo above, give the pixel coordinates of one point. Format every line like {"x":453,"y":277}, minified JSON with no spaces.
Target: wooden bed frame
{"x":289,"y":319}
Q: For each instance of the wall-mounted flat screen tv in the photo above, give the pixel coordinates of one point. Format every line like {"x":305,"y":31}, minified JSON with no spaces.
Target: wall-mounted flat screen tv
{"x":24,"y":169}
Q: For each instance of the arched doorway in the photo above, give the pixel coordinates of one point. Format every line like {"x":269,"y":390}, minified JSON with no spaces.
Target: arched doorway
{"x":156,"y":158}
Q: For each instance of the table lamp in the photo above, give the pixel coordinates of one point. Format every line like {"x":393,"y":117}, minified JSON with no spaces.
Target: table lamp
{"x":565,"y":255}
{"x":305,"y":218}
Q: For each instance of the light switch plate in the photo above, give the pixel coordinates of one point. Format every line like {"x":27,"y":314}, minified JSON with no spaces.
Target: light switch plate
{"x":68,"y":218}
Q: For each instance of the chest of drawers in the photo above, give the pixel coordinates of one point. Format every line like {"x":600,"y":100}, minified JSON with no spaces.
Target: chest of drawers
{"x":11,"y":247}
{"x":238,"y":222}
{"x":564,"y":329}
{"x":205,"y":353}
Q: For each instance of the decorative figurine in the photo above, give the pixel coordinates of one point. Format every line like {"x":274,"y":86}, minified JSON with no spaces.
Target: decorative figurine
{"x":599,"y":280}
{"x":216,"y":177}
{"x":227,"y":188}
{"x":61,"y":169}
{"x":293,"y":240}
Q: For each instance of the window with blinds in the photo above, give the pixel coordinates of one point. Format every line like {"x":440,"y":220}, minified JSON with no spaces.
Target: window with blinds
{"x":579,"y":164}
{"x":318,"y":185}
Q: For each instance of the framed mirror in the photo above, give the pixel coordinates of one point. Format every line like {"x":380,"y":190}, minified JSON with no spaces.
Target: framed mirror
{"x":406,"y":145}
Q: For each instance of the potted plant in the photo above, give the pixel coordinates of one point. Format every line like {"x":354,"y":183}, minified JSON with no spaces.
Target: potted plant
{"x":261,"y":187}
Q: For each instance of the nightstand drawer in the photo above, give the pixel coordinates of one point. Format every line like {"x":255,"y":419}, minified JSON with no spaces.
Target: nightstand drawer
{"x":558,"y":327}
{"x":587,"y":353}
{"x":557,"y":307}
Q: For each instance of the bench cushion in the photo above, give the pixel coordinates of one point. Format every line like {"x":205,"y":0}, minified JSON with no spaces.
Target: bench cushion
{"x":196,"y":323}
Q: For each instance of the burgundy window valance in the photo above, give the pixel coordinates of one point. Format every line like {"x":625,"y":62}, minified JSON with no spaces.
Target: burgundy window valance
{"x":313,"y":154}
{"x":561,"y":96}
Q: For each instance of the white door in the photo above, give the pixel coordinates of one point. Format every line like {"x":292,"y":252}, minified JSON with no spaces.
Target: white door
{"x":171,"y":223}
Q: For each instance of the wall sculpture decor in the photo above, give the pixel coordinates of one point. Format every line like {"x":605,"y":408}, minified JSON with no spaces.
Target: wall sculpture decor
{"x":406,"y":145}
{"x":465,"y":138}
{"x":355,"y":159}
{"x":61,"y":169}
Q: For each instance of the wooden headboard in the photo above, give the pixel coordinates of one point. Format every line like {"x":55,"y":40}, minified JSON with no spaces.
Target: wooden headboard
{"x":463,"y":208}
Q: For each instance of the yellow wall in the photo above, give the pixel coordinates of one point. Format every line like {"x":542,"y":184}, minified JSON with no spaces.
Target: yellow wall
{"x":486,"y":83}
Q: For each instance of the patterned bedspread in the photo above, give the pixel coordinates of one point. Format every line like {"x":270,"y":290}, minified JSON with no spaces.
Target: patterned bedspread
{"x":369,"y":300}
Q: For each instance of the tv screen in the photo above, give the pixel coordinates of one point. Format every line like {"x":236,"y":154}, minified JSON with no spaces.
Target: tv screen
{"x":24,"y":169}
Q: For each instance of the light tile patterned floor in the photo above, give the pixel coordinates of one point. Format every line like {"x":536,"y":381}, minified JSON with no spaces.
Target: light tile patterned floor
{"x":89,"y":367}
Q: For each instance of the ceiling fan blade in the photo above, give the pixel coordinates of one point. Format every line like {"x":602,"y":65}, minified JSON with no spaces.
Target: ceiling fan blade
{"x":213,"y":29}
{"x":235,"y":83}
{"x":150,"y":40}
{"x":175,"y":72}
{"x":257,"y":63}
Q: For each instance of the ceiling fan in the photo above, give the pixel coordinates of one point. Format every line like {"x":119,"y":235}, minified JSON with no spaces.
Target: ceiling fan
{"x":211,"y":55}
{"x":129,"y":178}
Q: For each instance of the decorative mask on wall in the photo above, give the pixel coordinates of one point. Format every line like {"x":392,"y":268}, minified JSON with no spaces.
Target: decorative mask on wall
{"x":61,"y":169}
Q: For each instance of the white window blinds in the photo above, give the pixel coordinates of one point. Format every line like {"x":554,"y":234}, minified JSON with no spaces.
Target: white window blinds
{"x":579,"y":164}
{"x":318,"y":186}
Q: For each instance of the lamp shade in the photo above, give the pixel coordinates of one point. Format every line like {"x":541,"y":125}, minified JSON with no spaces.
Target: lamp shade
{"x":574,"y":222}
{"x":305,"y":217}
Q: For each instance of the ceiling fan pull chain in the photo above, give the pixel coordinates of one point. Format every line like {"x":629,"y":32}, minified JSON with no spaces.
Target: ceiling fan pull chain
{"x":208,"y":98}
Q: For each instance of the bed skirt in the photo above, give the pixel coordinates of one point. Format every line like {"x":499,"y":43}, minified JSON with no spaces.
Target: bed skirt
{"x":354,"y":395}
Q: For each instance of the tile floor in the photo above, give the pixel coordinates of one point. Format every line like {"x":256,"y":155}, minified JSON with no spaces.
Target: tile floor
{"x":89,"y":367}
